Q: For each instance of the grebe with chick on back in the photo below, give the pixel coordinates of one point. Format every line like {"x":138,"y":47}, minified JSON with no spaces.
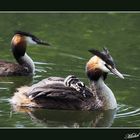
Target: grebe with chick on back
{"x":70,"y":93}
{"x":25,"y":64}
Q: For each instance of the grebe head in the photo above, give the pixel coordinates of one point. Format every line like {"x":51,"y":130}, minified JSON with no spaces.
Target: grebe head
{"x":21,"y":37}
{"x":101,"y":64}
{"x":20,"y":41}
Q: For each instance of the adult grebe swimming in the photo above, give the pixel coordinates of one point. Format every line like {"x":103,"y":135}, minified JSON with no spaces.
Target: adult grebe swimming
{"x":25,"y":64}
{"x":70,"y":93}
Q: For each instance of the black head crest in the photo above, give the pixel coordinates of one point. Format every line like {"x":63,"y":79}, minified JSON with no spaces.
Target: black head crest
{"x":105,"y":50}
{"x":34,"y":38}
{"x":104,"y":55}
{"x":24,"y":33}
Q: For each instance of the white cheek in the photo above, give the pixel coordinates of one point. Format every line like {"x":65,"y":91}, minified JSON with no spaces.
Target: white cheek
{"x":30,"y":41}
{"x":103,"y":67}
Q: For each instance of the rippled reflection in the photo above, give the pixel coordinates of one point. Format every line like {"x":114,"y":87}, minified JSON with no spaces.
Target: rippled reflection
{"x":65,"y":118}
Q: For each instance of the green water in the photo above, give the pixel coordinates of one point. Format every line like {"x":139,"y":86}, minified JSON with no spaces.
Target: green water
{"x":71,"y":35}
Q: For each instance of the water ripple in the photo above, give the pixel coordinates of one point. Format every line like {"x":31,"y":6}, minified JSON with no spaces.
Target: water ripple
{"x":40,"y":70}
{"x":3,"y":88}
{"x":6,"y":82}
{"x":72,"y":56}
{"x":130,"y":77}
{"x":43,"y":63}
{"x":127,"y":111}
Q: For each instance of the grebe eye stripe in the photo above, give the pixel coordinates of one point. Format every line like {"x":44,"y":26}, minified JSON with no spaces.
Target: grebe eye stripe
{"x":109,"y":62}
{"x":108,"y":66}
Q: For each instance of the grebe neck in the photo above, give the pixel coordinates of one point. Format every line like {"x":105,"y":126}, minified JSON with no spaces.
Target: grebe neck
{"x":104,"y":93}
{"x":26,"y":61}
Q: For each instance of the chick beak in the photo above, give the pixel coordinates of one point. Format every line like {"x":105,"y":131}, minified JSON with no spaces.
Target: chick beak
{"x":117,"y":73}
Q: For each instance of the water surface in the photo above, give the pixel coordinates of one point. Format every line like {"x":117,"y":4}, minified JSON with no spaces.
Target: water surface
{"x":71,"y":35}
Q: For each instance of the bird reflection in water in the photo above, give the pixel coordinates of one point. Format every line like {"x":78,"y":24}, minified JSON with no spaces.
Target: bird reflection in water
{"x":68,"y":118}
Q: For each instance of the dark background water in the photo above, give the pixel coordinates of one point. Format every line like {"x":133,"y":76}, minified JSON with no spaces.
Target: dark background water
{"x":71,"y":35}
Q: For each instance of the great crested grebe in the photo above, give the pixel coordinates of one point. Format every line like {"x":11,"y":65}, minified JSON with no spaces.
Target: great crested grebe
{"x":25,"y":64}
{"x":70,"y":93}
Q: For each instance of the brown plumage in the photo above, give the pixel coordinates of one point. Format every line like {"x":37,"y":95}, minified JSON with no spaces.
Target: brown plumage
{"x":52,"y":93}
{"x":12,"y":69}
